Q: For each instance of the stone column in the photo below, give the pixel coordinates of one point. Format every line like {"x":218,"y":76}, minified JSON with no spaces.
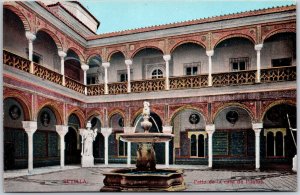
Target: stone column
{"x":105,"y":65}
{"x":258,"y":65}
{"x":167,"y":58}
{"x":31,"y":37}
{"x":84,"y":67}
{"x":167,"y":130}
{"x":209,"y":53}
{"x":30,"y":127}
{"x":257,"y":128}
{"x":62,"y":130}
{"x":128,"y":64}
{"x":106,"y":132}
{"x":62,"y":56}
{"x":128,"y":130}
{"x":210,"y":129}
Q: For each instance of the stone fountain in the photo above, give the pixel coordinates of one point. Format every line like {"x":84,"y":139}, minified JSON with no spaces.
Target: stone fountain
{"x":145,"y":177}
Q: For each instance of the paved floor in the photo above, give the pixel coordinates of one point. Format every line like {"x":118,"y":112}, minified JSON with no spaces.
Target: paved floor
{"x":197,"y":178}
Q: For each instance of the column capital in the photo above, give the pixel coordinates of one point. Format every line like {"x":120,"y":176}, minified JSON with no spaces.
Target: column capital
{"x":62,"y":130}
{"x":258,"y":47}
{"x":257,"y":125}
{"x":129,"y":129}
{"x":210,"y":53}
{"x":105,"y":64}
{"x":210,"y":129}
{"x":167,"y":129}
{"x":62,"y":54}
{"x":84,"y":67}
{"x":30,"y":36}
{"x":106,"y":131}
{"x":167,"y":57}
{"x":128,"y":62}
{"x":29,"y":126}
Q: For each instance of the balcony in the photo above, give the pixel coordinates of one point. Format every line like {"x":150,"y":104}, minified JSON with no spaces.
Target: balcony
{"x":279,"y":74}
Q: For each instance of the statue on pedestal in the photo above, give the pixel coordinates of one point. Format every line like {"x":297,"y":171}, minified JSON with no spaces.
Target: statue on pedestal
{"x":88,"y":137}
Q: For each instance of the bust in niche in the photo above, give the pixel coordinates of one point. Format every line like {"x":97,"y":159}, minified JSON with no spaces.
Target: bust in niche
{"x":194,"y":118}
{"x":14,"y":112}
{"x":45,"y":119}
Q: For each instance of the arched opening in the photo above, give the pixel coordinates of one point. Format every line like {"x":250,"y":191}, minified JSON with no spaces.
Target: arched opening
{"x":117,"y":65}
{"x":46,"y":140}
{"x":145,"y":61}
{"x":279,"y":50}
{"x":98,"y":144}
{"x":156,"y":128}
{"x":15,"y":138}
{"x":189,"y":59}
{"x":233,"y":139}
{"x":278,"y":141}
{"x":118,"y":150}
{"x":73,"y":66}
{"x":234,"y":54}
{"x":73,"y":141}
{"x":45,"y":51}
{"x":14,"y":38}
{"x":190,"y":138}
{"x":95,"y":73}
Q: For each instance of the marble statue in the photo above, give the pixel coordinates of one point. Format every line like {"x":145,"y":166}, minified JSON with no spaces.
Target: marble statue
{"x":88,"y":139}
{"x":146,"y":109}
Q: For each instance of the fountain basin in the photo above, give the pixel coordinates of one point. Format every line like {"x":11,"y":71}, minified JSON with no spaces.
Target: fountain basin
{"x":130,"y":179}
{"x":146,"y":137}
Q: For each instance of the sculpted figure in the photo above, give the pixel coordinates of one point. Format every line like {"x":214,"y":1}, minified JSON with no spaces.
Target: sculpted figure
{"x":146,"y":109}
{"x":88,"y":138}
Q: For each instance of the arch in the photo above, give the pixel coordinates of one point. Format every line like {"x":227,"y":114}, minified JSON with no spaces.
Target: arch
{"x":94,"y":113}
{"x":242,"y":106}
{"x":93,"y":55}
{"x":277,"y":31}
{"x":56,"y":40}
{"x":114,"y":112}
{"x":79,"y":54}
{"x":185,"y":42}
{"x":25,"y":105}
{"x":145,"y":47}
{"x":233,"y":36}
{"x":55,"y":109}
{"x":78,"y":112}
{"x":288,"y":102}
{"x":186,"y":107}
{"x":22,"y":17}
{"x":114,"y":52}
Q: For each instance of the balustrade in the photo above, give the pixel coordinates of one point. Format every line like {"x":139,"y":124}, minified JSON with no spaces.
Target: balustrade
{"x":233,"y":78}
{"x":117,"y":88}
{"x":74,"y":85}
{"x":286,"y":73}
{"x":16,"y":61}
{"x":47,"y":74}
{"x":93,"y":90}
{"x":148,"y":85}
{"x":189,"y":82}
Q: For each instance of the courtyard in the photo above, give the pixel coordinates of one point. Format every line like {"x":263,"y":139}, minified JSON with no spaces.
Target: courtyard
{"x":197,"y":178}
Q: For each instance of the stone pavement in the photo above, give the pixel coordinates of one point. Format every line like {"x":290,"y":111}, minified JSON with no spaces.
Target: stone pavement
{"x":197,"y":178}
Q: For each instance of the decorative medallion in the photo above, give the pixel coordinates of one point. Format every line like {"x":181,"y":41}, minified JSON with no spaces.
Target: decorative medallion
{"x":14,"y":112}
{"x":232,"y":116}
{"x":194,"y":118}
{"x":45,"y":119}
{"x":121,"y":122}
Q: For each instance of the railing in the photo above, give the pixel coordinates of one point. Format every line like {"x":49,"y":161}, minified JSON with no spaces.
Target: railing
{"x":117,"y":88}
{"x":93,"y":90}
{"x":234,"y":78}
{"x":189,"y":82}
{"x":16,"y":61}
{"x":286,"y":73}
{"x":74,"y":85}
{"x":47,"y":74}
{"x":148,"y":85}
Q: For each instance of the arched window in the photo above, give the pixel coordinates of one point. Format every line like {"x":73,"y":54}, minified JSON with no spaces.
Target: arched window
{"x":157,"y":73}
{"x":270,"y":144}
{"x":193,"y":145}
{"x":201,"y":146}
